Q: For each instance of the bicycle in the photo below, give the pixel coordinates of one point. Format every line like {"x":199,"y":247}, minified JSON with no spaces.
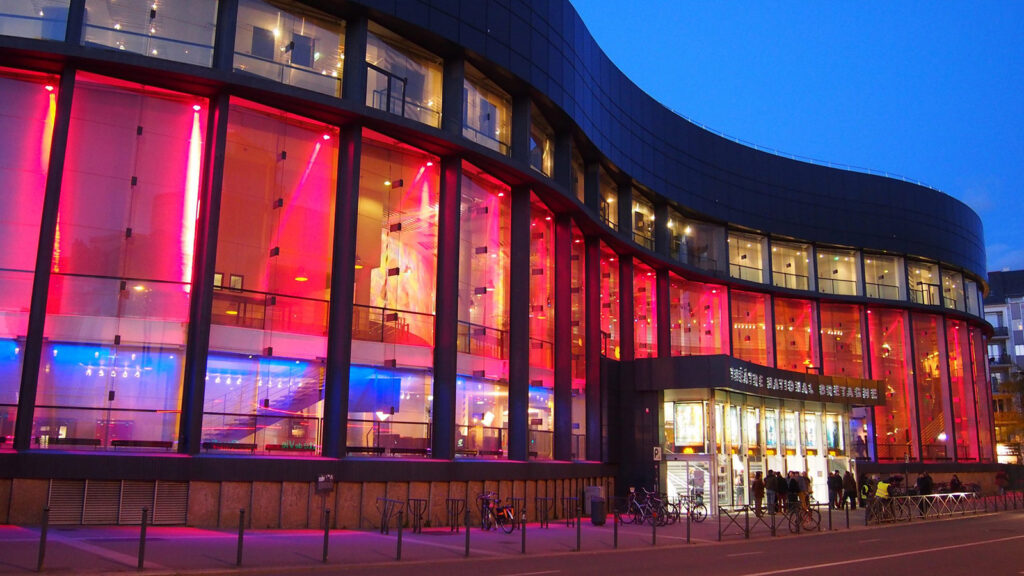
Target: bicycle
{"x":694,"y":506}
{"x":800,"y":518}
{"x":494,"y":515}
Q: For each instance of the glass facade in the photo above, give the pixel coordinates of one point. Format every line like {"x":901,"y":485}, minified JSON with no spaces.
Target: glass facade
{"x":747,"y":256}
{"x":796,"y":335}
{"x":643,"y":221}
{"x":486,"y":112}
{"x":962,"y":401}
{"x":883,"y":277}
{"x":578,"y":326}
{"x":542,"y":328}
{"x":838,"y":272}
{"x":842,"y":345}
{"x":889,"y":335}
{"x":953,"y":290}
{"x":40,"y":20}
{"x":177,"y":31}
{"x":645,"y":311}
{"x":609,"y":207}
{"x":29,"y":113}
{"x":121,"y":268}
{"x":609,"y":302}
{"x":542,"y":143}
{"x":751,"y":340}
{"x":402,"y":78}
{"x":932,"y":376}
{"x":923,"y":279}
{"x":698,"y":313}
{"x":791,"y":265}
{"x":291,"y":44}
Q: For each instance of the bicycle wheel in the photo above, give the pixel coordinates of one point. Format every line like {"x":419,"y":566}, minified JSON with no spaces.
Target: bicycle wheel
{"x":699,"y":513}
{"x":672,"y":513}
{"x":626,"y":516}
{"x":486,"y":520}
{"x":811,"y":520}
{"x":793,"y":519}
{"x":506,"y":522}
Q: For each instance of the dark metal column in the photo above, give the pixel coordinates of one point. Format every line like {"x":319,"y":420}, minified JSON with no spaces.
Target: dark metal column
{"x":519,"y":327}
{"x":340,"y":312}
{"x":224,"y":39}
{"x":353,"y":80}
{"x":592,"y":342}
{"x":563,"y":162}
{"x":662,"y":233}
{"x":521,"y":112}
{"x":44,"y":255}
{"x":592,"y":187}
{"x":446,"y":320}
{"x":190,"y":429}
{"x":624,"y":205}
{"x":872,"y":439}
{"x":563,"y":337}
{"x":915,"y":416}
{"x":452,"y":89}
{"x":76,"y":21}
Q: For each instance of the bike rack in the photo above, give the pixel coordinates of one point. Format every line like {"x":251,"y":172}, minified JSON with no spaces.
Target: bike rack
{"x":519,"y":508}
{"x":544,"y":507}
{"x":417,"y":507}
{"x":569,"y":504}
{"x":456,"y":508}
{"x":388,"y":508}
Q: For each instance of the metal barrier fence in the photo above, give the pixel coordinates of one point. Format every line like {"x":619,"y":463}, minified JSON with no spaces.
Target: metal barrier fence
{"x":909,"y":508}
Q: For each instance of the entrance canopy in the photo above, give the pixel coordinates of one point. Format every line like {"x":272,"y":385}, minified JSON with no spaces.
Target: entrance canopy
{"x":722,"y":371}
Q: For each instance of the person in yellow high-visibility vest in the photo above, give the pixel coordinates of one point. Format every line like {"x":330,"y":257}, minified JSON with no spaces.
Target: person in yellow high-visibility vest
{"x":882,"y":489}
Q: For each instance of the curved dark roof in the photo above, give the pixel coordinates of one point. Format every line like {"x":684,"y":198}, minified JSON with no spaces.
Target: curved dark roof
{"x":546,"y":44}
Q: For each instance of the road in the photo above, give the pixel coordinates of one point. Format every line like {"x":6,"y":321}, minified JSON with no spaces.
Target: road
{"x":990,"y":545}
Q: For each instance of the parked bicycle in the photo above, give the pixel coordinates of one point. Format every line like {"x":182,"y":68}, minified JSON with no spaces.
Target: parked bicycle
{"x":495,"y":515}
{"x":800,"y":518}
{"x":694,"y":506}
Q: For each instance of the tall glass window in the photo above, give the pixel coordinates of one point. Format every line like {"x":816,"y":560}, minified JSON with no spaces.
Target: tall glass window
{"x":791,"y":265}
{"x":971,"y":296}
{"x":645,"y":311}
{"x":578,"y":308}
{"x":953,"y":290}
{"x":889,"y":336}
{"x":290,"y":43}
{"x":796,"y":335}
{"x":696,"y":243}
{"x":643,"y":221}
{"x":481,"y":417}
{"x":609,"y":302}
{"x":402,"y":78}
{"x":883,"y":277}
{"x":838,"y":271}
{"x":41,"y":19}
{"x":396,"y":249}
{"x":542,"y":143}
{"x":542,"y":328}
{"x":961,"y":379}
{"x":751,"y":339}
{"x":982,"y":395}
{"x":483,"y":300}
{"x":609,"y":197}
{"x":485,"y":112}
{"x":179,"y":31}
{"x":841,"y":342}
{"x":27,"y":120}
{"x":932,"y":387}
{"x":699,"y":316}
{"x":746,"y":256}
{"x":268,"y":336}
{"x":121,"y":268}
{"x":394,"y":298}
{"x":923,"y":279}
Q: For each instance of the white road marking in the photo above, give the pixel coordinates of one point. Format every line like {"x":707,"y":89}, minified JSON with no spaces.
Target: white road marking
{"x":125,"y":559}
{"x":883,"y":557}
{"x":871,"y":540}
{"x":533,"y":573}
{"x":744,"y":554}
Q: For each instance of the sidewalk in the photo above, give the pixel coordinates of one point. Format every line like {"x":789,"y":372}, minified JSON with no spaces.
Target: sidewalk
{"x":114,"y":549}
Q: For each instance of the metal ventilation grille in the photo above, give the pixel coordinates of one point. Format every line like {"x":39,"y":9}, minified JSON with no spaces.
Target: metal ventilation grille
{"x":102,"y":501}
{"x":65,"y":501}
{"x":171,"y":503}
{"x":134,"y":497}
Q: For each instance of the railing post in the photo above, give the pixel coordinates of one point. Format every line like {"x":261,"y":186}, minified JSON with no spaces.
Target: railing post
{"x":773,"y":517}
{"x":847,"y":517}
{"x":142,"y":538}
{"x":746,"y":522}
{"x":241,"y":536}
{"x":327,"y":531}
{"x":615,"y":529}
{"x":830,"y":518}
{"x":579,"y":524}
{"x":522,"y":528}
{"x":687,"y":511}
{"x":719,"y":523}
{"x":398,"y":552}
{"x":42,"y":539}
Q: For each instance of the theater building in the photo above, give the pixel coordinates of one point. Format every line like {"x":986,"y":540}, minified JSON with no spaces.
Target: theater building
{"x":432,"y":248}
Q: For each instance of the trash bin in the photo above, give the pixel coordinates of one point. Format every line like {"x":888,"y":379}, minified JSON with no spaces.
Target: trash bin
{"x":598,"y":513}
{"x":589,"y":493}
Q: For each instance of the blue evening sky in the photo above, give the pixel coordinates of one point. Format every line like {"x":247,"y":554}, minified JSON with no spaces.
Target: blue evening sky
{"x":931,"y":91}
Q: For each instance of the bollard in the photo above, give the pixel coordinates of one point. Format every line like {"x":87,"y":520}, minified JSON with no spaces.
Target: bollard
{"x":687,"y":525}
{"x":847,"y":517}
{"x":398,"y":552}
{"x":746,"y":522}
{"x":579,"y":516}
{"x":241,"y":535}
{"x":719,"y":523}
{"x":773,"y":516}
{"x":615,"y":530}
{"x":42,"y":538}
{"x":830,"y":518}
{"x":522,"y":528}
{"x":327,"y":531}
{"x":467,"y":531}
{"x":142,"y":539}
{"x":654,"y":528}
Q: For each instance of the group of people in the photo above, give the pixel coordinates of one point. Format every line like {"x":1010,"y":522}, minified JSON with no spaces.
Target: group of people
{"x":842,"y":489}
{"x":796,"y":488}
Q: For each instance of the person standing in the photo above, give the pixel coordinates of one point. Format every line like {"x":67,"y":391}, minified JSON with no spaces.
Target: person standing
{"x":757,"y":487}
{"x":849,"y":490}
{"x":769,"y":487}
{"x":924,"y":491}
{"x":835,"y":490}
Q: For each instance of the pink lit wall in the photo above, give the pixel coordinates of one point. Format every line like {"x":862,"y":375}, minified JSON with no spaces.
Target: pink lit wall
{"x":751,"y":339}
{"x":699,"y":315}
{"x":961,"y":380}
{"x":609,"y":302}
{"x":889,"y":336}
{"x":796,"y":335}
{"x":645,"y":311}
{"x":841,"y":340}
